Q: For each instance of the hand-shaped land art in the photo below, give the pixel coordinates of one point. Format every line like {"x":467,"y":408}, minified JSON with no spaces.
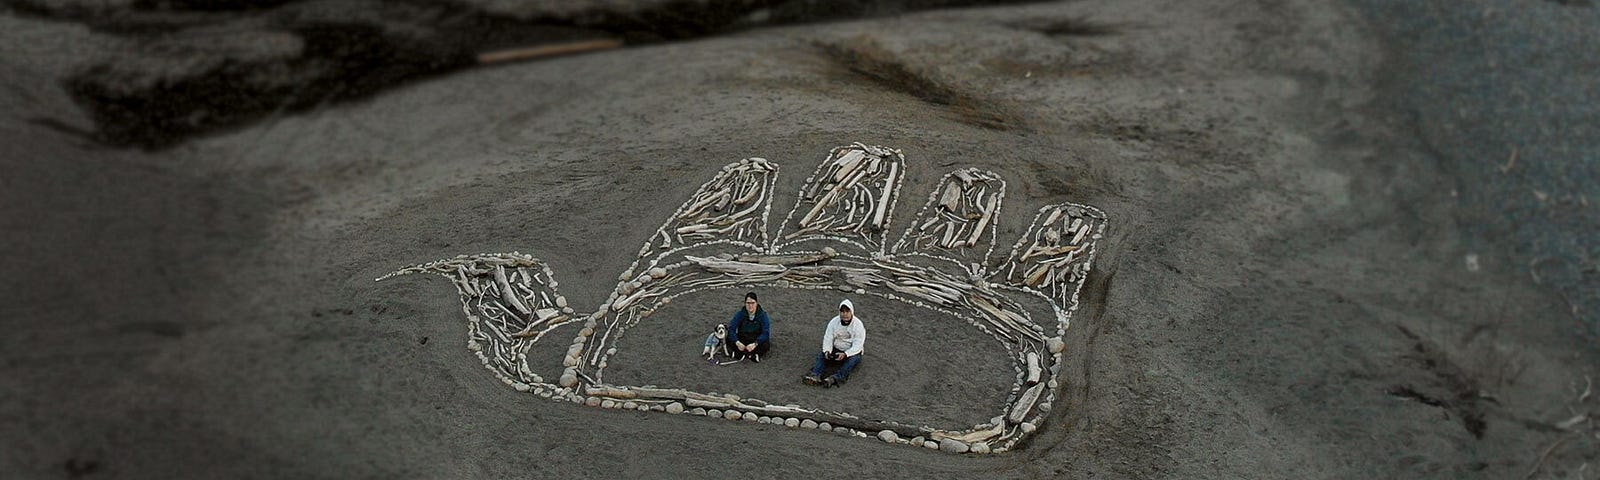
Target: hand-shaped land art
{"x":834,"y":238}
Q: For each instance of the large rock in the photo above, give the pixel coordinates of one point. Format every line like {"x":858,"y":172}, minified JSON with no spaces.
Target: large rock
{"x":953,"y":446}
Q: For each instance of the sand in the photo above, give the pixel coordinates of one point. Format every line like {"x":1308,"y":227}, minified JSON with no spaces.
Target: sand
{"x":1281,"y":294}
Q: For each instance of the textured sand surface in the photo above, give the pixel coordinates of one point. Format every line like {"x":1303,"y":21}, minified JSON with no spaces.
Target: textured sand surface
{"x":1281,"y":293}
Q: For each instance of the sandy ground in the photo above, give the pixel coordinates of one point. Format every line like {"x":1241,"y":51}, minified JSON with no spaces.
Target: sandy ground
{"x":1281,"y":294}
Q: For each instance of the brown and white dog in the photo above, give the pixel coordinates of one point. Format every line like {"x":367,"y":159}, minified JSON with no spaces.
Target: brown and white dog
{"x":717,"y":341}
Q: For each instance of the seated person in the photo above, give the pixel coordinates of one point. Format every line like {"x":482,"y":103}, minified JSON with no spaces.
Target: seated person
{"x":750,"y":331}
{"x":842,"y":344}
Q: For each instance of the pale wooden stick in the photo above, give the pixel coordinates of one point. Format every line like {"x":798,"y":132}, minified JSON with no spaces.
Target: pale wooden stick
{"x":541,"y":51}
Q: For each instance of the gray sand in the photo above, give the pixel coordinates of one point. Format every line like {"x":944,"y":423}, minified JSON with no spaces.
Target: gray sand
{"x":1281,"y":295}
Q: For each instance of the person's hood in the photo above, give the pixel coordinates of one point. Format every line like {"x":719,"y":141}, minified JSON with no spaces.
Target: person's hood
{"x":846,"y":303}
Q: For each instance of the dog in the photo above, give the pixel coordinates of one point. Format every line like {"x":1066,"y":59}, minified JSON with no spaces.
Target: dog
{"x":717,"y":341}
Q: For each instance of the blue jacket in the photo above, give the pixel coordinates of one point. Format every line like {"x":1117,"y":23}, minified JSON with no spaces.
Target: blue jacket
{"x":744,"y":316}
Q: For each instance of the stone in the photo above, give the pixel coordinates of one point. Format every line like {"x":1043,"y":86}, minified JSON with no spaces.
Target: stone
{"x":931,"y":445}
{"x":699,"y":411}
{"x":568,"y":379}
{"x":764,"y":420}
{"x":808,"y":424}
{"x":749,"y":416}
{"x":592,"y":401}
{"x":608,"y":404}
{"x":980,"y":447}
{"x":658,"y":273}
{"x":791,"y":422}
{"x":714,"y":413}
{"x":1028,"y":427}
{"x":953,"y":446}
{"x":888,"y":436}
{"x":675,"y":408}
{"x":917,"y":440}
{"x":630,"y":405}
{"x":732,"y":415}
{"x":1055,"y":345}
{"x":824,"y":426}
{"x":521,"y":387}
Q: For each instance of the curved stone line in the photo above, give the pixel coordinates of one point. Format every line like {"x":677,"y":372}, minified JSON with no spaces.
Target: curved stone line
{"x":512,"y":303}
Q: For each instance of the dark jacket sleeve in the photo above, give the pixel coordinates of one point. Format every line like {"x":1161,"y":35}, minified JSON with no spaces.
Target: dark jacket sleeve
{"x":733,"y":326}
{"x":766,"y":326}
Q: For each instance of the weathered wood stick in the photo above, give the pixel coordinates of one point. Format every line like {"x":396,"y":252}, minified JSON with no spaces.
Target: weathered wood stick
{"x":542,"y":51}
{"x":883,"y":201}
{"x":1019,"y":411}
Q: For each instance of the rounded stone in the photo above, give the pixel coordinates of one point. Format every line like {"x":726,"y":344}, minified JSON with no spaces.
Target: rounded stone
{"x":608,"y":404}
{"x":698,"y":411}
{"x":808,"y":424}
{"x":1055,"y":344}
{"x":561,"y":301}
{"x":888,"y":436}
{"x":791,"y":422}
{"x":764,"y":420}
{"x":658,"y":273}
{"x":829,"y":251}
{"x":953,"y":446}
{"x":930,"y":444}
{"x":732,"y":415}
{"x":521,"y":387}
{"x":1044,"y":407}
{"x":1027,"y":427}
{"x":674,"y":408}
{"x":568,"y":380}
{"x":630,"y":405}
{"x":750,"y":416}
{"x":980,"y":447}
{"x":714,"y":413}
{"x":824,"y":426}
{"x":592,"y":401}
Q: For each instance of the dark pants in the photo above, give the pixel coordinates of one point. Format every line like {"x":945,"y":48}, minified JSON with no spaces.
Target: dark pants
{"x":825,"y":360}
{"x":761,"y":348}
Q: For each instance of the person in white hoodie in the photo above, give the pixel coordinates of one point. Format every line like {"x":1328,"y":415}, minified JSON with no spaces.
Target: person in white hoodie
{"x":842,"y":344}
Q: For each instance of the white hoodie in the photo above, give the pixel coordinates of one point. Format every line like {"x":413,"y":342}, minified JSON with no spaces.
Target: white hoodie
{"x":852,"y":339}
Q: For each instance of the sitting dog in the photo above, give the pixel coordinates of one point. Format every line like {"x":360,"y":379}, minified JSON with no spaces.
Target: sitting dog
{"x":717,"y":342}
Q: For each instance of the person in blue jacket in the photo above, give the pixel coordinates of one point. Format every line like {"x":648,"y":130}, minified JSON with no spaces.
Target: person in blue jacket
{"x":750,"y":331}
